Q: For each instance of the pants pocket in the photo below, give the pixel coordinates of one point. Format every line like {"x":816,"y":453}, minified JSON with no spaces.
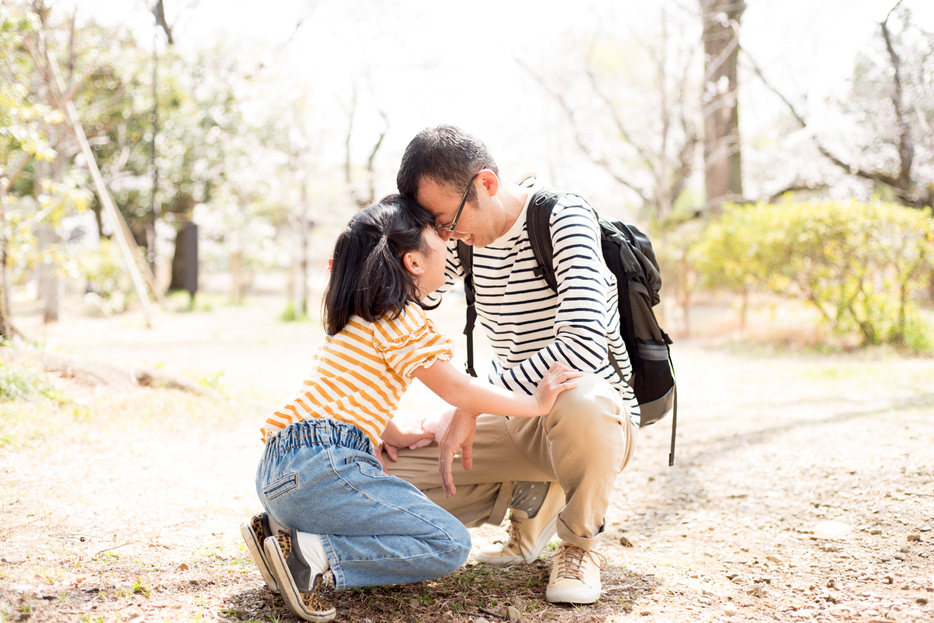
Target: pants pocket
{"x":368,"y":466}
{"x":280,"y":487}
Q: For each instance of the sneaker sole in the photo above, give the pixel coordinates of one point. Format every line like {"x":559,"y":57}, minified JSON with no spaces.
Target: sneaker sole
{"x":289,"y":592}
{"x":256,"y":551}
{"x":508,"y":561}
{"x":572,"y":595}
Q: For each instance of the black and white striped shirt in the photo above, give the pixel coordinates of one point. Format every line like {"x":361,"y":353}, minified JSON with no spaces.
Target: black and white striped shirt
{"x":528,"y":325}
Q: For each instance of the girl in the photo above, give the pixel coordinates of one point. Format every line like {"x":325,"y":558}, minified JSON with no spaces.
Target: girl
{"x":338,"y":518}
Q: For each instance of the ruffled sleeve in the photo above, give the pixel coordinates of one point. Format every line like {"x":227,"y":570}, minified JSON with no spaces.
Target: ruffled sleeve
{"x":410,"y":341}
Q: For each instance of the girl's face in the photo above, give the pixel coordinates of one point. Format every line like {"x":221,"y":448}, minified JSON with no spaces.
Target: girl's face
{"x":428,"y":266}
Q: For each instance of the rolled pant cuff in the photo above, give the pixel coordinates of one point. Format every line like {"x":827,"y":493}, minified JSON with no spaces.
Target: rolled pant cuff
{"x":585,"y":543}
{"x":501,"y":505}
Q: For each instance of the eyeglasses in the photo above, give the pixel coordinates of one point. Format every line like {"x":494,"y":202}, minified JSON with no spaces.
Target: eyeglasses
{"x":460,"y":208}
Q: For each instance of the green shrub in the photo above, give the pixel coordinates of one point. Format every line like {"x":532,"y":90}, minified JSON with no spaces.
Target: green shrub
{"x":857,"y":263}
{"x":109,"y":288}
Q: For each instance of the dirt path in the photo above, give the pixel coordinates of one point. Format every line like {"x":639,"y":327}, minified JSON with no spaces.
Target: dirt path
{"x":803,"y":489}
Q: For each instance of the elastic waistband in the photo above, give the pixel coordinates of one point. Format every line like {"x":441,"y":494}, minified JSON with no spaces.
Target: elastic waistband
{"x":321,"y":432}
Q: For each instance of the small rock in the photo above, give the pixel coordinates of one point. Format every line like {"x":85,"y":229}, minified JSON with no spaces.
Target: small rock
{"x":512,"y":613}
{"x":899,"y":556}
{"x":914,"y":537}
{"x":774,"y":559}
{"x":757,"y":591}
{"x":480,"y":620}
{"x":732,"y":576}
{"x":413,"y":603}
{"x":876,"y":531}
{"x":729,"y":610}
{"x":921,"y":600}
{"x":183,"y":567}
{"x":904,"y":550}
{"x":645,"y":613}
{"x":915,"y":614}
{"x":625,"y":542}
{"x":830,"y":548}
{"x":925,"y":528}
{"x":888,"y":579}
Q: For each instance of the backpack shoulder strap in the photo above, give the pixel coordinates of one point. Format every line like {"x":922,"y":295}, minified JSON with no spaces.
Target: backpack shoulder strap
{"x":465,"y":256}
{"x":538,"y":219}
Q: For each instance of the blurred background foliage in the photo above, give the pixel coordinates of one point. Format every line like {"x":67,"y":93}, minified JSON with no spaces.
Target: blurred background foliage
{"x":826,"y":203}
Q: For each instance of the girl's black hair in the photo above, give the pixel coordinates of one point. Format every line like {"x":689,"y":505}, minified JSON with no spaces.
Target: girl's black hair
{"x":367,"y":275}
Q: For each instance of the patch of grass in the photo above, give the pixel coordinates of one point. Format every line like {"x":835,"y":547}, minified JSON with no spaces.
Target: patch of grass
{"x":214,"y":380}
{"x":24,"y":382}
{"x":19,"y":424}
{"x":180,"y":302}
{"x":290,"y":315}
{"x":141,"y":587}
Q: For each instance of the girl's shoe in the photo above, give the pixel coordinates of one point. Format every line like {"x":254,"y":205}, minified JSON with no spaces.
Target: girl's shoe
{"x":254,"y":532}
{"x":293,"y":574}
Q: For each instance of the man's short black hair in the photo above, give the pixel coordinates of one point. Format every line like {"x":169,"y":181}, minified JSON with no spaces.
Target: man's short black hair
{"x":445,"y":154}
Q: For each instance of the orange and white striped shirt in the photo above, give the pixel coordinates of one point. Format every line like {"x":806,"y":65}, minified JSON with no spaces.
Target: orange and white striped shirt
{"x":359,"y":375}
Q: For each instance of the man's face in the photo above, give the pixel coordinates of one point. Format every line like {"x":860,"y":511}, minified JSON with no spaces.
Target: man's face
{"x":479,"y":223}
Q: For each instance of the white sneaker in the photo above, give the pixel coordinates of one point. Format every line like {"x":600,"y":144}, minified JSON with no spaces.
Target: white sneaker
{"x":575,"y":576}
{"x":527,"y":537}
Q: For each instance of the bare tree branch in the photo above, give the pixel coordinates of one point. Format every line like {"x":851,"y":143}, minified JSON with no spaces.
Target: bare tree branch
{"x":795,"y":187}
{"x":614,"y":115}
{"x":16,"y":172}
{"x":158,"y":12}
{"x":906,"y":149}
{"x":579,"y":139}
{"x":875,"y":176}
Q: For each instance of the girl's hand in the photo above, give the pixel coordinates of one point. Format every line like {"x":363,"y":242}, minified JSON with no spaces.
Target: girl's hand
{"x":408,"y":434}
{"x":553,"y":383}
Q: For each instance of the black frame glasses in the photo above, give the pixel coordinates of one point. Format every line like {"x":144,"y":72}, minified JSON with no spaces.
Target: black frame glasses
{"x":460,"y":208}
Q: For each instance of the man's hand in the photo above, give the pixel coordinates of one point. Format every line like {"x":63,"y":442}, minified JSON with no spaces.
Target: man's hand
{"x":459,"y":437}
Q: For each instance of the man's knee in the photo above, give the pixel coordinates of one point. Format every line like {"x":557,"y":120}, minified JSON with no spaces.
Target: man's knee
{"x":592,"y":405}
{"x":589,"y":423}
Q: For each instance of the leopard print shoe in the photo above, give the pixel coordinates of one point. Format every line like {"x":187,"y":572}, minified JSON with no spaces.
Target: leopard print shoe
{"x":254,"y":532}
{"x":300,"y":592}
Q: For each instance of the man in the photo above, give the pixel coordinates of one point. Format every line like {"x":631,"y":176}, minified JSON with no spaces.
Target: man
{"x":555,"y":473}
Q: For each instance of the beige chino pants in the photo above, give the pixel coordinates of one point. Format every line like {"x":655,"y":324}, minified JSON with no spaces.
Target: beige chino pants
{"x":583,"y":444}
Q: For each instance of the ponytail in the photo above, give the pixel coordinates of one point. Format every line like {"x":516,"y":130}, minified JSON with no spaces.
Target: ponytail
{"x":368,"y":277}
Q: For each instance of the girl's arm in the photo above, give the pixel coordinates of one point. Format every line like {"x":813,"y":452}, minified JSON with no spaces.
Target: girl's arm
{"x":471,"y":394}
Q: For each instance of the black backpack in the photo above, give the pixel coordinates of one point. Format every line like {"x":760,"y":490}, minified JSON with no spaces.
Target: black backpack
{"x":628,"y":254}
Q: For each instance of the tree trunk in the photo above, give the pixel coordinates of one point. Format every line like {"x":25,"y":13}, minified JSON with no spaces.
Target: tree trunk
{"x":6,"y":321}
{"x":179,"y":261}
{"x":47,"y":239}
{"x":304,"y":231}
{"x":723,"y":164}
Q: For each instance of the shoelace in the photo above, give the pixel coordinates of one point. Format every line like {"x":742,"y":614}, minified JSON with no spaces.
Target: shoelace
{"x":571,"y":561}
{"x":513,"y":533}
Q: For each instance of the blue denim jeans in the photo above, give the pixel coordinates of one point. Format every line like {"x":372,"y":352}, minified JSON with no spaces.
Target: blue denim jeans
{"x":320,"y":476}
